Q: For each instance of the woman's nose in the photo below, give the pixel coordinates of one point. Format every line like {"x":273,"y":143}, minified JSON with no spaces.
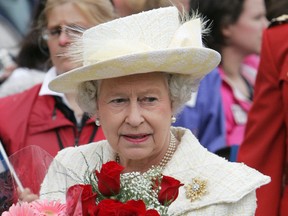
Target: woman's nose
{"x":134,"y":115}
{"x":64,"y":38}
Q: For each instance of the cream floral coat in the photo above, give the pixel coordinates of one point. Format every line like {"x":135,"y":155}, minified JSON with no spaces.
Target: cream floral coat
{"x":212,"y":185}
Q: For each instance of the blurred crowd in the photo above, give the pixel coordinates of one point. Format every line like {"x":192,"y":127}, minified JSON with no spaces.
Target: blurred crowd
{"x":32,"y":41}
{"x":21,"y":44}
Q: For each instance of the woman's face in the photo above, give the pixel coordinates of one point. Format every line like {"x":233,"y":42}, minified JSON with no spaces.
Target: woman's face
{"x":246,"y":34}
{"x":135,"y":114}
{"x":65,"y":14}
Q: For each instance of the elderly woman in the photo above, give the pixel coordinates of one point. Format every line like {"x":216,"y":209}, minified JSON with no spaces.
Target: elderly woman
{"x":138,"y":71}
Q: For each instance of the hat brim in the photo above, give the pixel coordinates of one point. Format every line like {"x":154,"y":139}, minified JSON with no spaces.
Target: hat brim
{"x":196,"y":62}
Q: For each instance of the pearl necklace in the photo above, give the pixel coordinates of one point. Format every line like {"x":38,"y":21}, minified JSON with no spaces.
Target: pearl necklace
{"x":168,"y":155}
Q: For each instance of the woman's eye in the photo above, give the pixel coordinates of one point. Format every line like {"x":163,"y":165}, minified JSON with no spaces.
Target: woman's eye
{"x":148,"y":99}
{"x":55,"y":31}
{"x":118,"y":100}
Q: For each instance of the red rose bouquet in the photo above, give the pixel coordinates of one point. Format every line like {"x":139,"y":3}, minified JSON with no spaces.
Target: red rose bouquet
{"x":111,"y":192}
{"x":106,"y":191}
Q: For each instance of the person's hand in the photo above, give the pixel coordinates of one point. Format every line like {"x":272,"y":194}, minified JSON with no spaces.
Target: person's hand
{"x":26,"y":195}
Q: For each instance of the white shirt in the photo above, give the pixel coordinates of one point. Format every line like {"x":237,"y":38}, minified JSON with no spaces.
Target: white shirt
{"x":50,"y":75}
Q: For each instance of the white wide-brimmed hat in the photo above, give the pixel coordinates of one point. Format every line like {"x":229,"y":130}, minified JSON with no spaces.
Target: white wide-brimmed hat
{"x":151,"y":41}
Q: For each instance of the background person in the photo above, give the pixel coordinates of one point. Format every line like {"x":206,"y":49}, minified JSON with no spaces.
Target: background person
{"x":135,"y":105}
{"x":265,"y":141}
{"x":217,"y":114}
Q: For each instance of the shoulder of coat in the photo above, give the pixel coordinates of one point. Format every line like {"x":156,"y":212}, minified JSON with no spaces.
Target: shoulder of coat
{"x":279,"y":20}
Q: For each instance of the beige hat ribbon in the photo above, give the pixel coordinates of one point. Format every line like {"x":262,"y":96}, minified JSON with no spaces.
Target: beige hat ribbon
{"x":187,"y":35}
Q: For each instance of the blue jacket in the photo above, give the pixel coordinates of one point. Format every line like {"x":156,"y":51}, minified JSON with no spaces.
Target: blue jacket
{"x":206,"y":118}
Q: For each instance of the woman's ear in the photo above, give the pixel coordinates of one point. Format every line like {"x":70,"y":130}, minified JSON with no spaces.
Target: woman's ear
{"x":226,"y":31}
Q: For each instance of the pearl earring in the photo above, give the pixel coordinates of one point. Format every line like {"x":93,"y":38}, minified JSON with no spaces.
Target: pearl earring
{"x":97,"y":122}
{"x":173,"y":119}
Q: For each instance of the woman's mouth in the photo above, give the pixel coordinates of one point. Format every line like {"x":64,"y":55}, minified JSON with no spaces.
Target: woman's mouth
{"x":136,"y":138}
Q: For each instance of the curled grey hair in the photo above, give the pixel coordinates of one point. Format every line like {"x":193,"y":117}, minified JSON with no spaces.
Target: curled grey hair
{"x":180,"y":86}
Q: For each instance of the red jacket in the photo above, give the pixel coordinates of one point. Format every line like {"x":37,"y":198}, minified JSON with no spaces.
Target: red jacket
{"x":29,"y":119}
{"x":266,"y":137}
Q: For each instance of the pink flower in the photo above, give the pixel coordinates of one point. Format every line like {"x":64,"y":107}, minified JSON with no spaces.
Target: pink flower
{"x":19,"y":209}
{"x":38,"y":207}
{"x":51,"y":208}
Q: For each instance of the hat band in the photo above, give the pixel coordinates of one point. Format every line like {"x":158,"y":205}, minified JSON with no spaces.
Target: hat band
{"x":115,"y":48}
{"x":187,"y":35}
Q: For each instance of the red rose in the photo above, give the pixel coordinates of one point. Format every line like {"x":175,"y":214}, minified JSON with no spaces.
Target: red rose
{"x":136,"y":207}
{"x":152,"y":212}
{"x":169,"y":189}
{"x":111,"y":207}
{"x":80,"y":194}
{"x":107,"y":207}
{"x":109,"y":178}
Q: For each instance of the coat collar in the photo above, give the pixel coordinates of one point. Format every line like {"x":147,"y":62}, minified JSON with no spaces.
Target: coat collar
{"x":224,"y":181}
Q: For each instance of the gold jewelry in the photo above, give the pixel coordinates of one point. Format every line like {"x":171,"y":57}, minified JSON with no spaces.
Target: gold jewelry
{"x":196,"y":189}
{"x":168,"y":155}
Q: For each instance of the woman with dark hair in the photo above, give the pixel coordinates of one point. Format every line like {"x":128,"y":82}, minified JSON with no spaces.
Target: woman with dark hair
{"x":218,"y":113}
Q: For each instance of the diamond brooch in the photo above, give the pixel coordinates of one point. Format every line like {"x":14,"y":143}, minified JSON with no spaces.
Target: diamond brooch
{"x":196,"y":189}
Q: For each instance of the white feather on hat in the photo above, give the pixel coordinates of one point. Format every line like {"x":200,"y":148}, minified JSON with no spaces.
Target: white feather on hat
{"x":150,"y":41}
